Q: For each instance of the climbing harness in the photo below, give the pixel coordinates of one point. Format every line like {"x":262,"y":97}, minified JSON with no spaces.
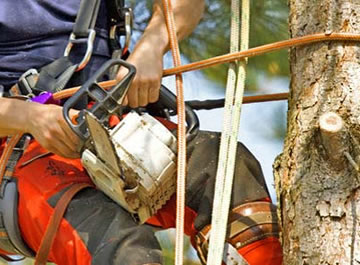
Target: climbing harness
{"x":54,"y":76}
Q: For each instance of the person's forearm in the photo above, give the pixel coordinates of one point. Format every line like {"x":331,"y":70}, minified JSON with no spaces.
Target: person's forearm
{"x":14,"y":115}
{"x":187,"y":15}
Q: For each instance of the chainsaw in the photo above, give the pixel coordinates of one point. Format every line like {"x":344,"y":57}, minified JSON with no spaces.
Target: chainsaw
{"x":134,"y":163}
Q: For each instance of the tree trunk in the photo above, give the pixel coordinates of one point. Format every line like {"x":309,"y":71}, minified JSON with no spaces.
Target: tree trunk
{"x":317,"y":175}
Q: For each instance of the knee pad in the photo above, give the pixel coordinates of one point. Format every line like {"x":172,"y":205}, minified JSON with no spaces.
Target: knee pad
{"x":253,"y":232}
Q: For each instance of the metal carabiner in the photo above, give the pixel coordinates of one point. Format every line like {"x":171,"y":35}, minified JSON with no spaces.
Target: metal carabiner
{"x":122,"y":29}
{"x":27,"y":82}
{"x":129,"y":20}
{"x":90,"y":45}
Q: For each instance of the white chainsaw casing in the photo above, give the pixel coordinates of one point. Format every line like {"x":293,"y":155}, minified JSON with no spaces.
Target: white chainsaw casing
{"x":146,"y":152}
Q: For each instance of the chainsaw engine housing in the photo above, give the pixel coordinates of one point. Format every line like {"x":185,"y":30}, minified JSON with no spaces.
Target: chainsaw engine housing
{"x":134,"y":163}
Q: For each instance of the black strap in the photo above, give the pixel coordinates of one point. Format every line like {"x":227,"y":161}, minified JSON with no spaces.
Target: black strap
{"x":10,"y":237}
{"x":86,"y":17}
{"x":115,"y":11}
{"x":16,"y":154}
{"x":54,"y":76}
{"x":167,"y":101}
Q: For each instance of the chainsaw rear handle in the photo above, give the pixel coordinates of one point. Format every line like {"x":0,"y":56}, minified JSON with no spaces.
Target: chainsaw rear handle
{"x":106,"y":102}
{"x":167,"y":101}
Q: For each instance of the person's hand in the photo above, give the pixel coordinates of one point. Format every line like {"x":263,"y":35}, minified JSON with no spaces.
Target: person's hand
{"x":48,"y":126}
{"x":146,"y":84}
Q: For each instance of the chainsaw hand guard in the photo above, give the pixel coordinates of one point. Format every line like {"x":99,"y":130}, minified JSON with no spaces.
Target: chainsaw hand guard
{"x":106,"y":102}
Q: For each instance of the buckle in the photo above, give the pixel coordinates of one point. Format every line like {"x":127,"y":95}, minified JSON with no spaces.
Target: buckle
{"x":122,"y":29}
{"x":232,"y":257}
{"x":27,"y":82}
{"x":23,"y":143}
{"x":90,"y":45}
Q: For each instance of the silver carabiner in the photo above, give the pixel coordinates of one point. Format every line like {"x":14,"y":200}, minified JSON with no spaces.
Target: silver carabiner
{"x":123,"y":29}
{"x":129,"y":19}
{"x":90,"y":45}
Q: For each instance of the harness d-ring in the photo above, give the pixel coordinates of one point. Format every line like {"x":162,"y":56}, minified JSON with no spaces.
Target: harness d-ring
{"x":89,"y":49}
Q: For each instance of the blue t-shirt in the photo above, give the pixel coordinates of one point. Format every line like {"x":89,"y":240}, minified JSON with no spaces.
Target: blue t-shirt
{"x":33,"y":33}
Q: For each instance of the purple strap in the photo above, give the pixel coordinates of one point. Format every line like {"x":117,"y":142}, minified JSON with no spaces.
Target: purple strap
{"x":46,"y":98}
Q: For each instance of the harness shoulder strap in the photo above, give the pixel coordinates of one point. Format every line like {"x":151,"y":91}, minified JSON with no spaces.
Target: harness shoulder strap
{"x":54,"y":76}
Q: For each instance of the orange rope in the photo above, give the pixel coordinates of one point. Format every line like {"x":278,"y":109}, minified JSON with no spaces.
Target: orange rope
{"x":181,"y":139}
{"x":294,"y":42}
{"x":230,"y":57}
{"x":265,"y":98}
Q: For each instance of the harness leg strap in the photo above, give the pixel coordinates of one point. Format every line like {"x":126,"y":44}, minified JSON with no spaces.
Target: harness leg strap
{"x":248,"y":224}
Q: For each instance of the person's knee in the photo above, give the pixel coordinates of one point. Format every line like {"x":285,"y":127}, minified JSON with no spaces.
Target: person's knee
{"x":252,"y":230}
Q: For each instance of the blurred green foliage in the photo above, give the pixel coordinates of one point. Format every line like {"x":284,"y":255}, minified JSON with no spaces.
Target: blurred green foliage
{"x":167,"y":241}
{"x":211,"y":37}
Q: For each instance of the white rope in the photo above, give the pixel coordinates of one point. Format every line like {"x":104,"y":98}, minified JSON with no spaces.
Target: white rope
{"x":227,"y":152}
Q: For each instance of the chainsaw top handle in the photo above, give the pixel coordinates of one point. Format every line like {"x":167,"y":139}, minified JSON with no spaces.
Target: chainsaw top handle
{"x":106,"y":102}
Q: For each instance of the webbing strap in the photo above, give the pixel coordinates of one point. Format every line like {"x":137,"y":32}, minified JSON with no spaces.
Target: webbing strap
{"x":86,"y":17}
{"x":10,"y":239}
{"x":7,"y":153}
{"x":54,"y":76}
{"x":54,"y":222}
{"x":114,"y":9}
{"x":228,"y":146}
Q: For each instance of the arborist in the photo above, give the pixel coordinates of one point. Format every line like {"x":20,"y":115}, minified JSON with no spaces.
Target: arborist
{"x":45,"y":163}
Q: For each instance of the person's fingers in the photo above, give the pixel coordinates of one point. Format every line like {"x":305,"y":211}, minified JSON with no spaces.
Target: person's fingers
{"x":143,"y":95}
{"x":125,"y":101}
{"x":69,"y":153}
{"x":57,"y":146}
{"x":63,"y":142}
{"x":70,"y":148}
{"x":121,"y":73}
{"x":72,"y":138}
{"x":153,"y":94}
{"x":62,"y":150}
{"x":71,"y":135}
{"x":133,"y":96}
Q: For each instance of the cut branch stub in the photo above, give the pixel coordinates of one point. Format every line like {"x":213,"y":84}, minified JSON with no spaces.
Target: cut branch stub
{"x":333,"y":136}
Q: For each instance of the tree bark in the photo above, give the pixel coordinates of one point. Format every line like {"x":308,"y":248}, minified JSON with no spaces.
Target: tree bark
{"x":317,"y":175}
